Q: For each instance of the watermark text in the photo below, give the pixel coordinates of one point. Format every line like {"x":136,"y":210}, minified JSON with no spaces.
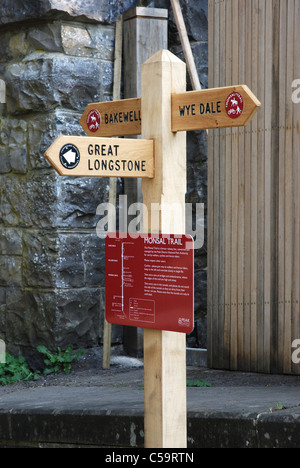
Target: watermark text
{"x":296,"y":353}
{"x":136,"y":219}
{"x":296,"y":92}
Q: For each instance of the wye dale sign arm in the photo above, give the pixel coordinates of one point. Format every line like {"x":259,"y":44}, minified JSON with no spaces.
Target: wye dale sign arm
{"x":232,"y":106}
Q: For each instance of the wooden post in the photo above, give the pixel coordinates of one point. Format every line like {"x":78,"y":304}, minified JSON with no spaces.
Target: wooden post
{"x":145,"y":33}
{"x":113,"y":180}
{"x":164,"y":352}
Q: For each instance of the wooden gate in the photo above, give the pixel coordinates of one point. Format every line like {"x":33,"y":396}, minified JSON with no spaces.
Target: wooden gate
{"x":254,"y":195}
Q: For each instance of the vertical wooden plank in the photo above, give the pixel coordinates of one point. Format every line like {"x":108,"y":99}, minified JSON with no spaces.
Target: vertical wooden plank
{"x":253,"y":188}
{"x":164,"y":352}
{"x":268,"y":195}
{"x":288,"y":209}
{"x":275,"y":124}
{"x":296,"y":191}
{"x":212,"y":318}
{"x":234,"y":199}
{"x":227,"y":194}
{"x":260,"y":188}
{"x":215,"y":193}
{"x":247,"y":153}
{"x":210,"y":204}
{"x":281,"y":182}
{"x":221,"y":182}
{"x":241,"y":198}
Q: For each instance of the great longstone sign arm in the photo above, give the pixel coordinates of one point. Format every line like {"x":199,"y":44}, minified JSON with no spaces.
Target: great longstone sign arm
{"x":102,"y":157}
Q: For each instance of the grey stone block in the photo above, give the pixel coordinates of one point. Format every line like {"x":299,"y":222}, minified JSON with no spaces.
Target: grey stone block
{"x":279,"y":429}
{"x":11,"y":241}
{"x":40,"y":251}
{"x":10,"y":270}
{"x":28,"y":202}
{"x":77,"y":317}
{"x":46,"y":37}
{"x":81,"y":260}
{"x":101,"y":11}
{"x":70,"y":268}
{"x":94,"y":261}
{"x":78,"y":198}
{"x":88,"y":40}
{"x":42,"y":82}
{"x":13,"y":148}
{"x":30,"y":318}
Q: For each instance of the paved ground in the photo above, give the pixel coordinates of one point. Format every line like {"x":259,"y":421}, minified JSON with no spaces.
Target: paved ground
{"x":93,"y":407}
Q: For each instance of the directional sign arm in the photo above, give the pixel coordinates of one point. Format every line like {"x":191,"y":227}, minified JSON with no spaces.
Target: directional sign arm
{"x":102,"y":157}
{"x":232,"y":106}
{"x":112,"y":118}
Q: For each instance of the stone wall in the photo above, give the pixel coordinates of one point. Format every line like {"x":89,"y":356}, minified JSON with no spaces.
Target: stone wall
{"x":56,"y":57}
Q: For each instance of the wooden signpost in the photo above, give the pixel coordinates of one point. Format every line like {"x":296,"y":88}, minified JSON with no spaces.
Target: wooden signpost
{"x":165,"y":112}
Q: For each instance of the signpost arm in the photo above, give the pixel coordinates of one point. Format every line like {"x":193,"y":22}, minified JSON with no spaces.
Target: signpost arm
{"x":164,"y":352}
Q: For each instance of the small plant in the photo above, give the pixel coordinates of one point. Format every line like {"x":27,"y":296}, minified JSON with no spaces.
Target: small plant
{"x":15,"y":370}
{"x":197,"y":383}
{"x":279,"y":406}
{"x":61,"y":362}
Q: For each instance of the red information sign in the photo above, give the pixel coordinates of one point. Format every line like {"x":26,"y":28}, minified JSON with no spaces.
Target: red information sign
{"x":150,"y":281}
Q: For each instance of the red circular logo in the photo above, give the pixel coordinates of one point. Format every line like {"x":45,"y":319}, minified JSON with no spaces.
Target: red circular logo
{"x":93,"y":121}
{"x":234,"y":105}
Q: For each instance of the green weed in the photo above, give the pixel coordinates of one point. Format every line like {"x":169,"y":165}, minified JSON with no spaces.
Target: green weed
{"x":197,"y":383}
{"x":60,"y":362}
{"x":15,"y":370}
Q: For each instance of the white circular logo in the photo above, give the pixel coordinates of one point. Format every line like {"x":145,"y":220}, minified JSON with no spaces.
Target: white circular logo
{"x":69,"y":156}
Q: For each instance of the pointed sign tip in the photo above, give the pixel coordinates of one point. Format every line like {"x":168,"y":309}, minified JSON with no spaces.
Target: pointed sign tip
{"x":251,"y":95}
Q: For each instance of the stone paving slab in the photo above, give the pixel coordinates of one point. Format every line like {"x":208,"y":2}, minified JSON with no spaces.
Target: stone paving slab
{"x":112,"y":416}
